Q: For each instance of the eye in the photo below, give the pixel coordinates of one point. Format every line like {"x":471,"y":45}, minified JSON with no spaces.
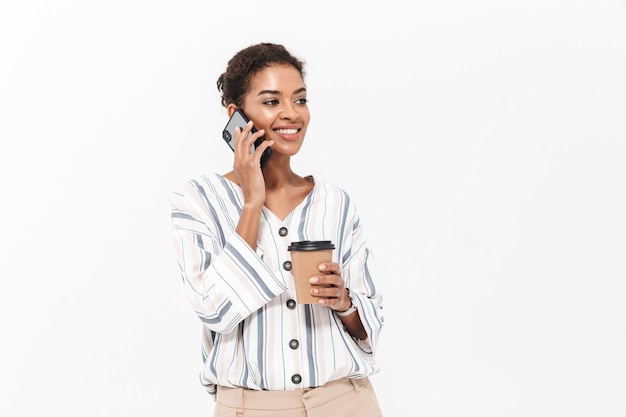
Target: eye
{"x":301,"y":101}
{"x":271,"y":102}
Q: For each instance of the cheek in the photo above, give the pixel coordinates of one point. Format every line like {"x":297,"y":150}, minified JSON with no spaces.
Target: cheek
{"x":261,"y":119}
{"x":305,"y":114}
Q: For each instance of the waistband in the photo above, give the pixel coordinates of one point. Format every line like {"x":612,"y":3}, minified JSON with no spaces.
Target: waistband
{"x":270,"y":400}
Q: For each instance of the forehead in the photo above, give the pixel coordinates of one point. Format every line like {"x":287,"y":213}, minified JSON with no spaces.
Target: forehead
{"x":282,"y":78}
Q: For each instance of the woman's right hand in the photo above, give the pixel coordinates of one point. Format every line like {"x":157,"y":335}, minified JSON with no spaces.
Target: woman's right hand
{"x":247,"y":165}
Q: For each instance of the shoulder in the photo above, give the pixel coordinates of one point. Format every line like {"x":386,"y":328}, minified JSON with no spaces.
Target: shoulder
{"x":202,"y":186}
{"x":203,"y":180}
{"x":327,"y":185}
{"x":332,"y":191}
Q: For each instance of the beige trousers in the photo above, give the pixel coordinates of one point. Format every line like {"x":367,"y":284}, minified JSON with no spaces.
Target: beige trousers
{"x":345,"y":397}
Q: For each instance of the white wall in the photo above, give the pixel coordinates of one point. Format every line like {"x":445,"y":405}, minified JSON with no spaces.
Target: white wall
{"x":484,"y":142}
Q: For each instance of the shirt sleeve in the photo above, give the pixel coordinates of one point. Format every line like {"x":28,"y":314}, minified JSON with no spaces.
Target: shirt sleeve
{"x":358,"y":270}
{"x":225,"y":279}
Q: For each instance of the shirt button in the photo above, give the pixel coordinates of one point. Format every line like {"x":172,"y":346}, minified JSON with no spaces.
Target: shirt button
{"x":291,"y":304}
{"x":287,"y":265}
{"x":294,"y":344}
{"x":283,"y":231}
{"x":296,"y":379}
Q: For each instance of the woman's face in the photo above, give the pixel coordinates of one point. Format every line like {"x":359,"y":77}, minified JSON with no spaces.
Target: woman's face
{"x":276,"y":102}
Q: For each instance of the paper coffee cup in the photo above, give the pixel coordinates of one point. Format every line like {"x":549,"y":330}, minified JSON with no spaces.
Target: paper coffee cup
{"x":305,"y":259}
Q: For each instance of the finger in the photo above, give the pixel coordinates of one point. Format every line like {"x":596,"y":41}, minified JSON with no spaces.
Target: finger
{"x":262,"y":146}
{"x":332,"y":281}
{"x":248,"y":144}
{"x":242,"y":132}
{"x":329,"y":268}
{"x":328,"y":293}
{"x":242,"y":135}
{"x":331,"y":302}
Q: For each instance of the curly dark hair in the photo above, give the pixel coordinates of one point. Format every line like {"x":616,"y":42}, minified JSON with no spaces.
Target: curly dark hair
{"x":235,"y":81}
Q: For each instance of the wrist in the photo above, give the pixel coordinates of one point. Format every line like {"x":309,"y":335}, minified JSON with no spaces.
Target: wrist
{"x":253,"y":206}
{"x":351,"y":308}
{"x":349,"y":311}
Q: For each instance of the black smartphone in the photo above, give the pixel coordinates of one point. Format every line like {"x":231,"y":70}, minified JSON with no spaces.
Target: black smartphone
{"x":239,"y":119}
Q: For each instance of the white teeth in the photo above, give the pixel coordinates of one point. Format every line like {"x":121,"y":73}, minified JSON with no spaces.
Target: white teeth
{"x":286,"y":131}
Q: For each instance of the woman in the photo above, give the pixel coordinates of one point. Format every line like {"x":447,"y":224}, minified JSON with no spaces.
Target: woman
{"x":263,"y":353}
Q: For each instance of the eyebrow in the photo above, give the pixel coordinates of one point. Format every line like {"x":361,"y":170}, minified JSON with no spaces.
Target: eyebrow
{"x":276,"y":92}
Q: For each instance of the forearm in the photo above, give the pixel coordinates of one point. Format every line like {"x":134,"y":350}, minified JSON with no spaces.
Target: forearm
{"x":361,"y":314}
{"x":224,"y":292}
{"x":350,"y":317}
{"x":249,"y":223}
{"x":354,"y":325}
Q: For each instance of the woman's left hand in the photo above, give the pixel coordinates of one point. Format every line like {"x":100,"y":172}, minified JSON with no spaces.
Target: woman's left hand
{"x":330,"y":287}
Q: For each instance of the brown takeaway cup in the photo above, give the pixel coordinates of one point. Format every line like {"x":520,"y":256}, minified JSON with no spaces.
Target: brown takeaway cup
{"x":305,"y":259}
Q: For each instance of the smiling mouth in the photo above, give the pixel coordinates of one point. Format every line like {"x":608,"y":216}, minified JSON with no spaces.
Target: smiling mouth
{"x":286,"y":131}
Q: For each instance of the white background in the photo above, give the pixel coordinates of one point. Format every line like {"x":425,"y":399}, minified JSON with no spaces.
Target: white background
{"x":483,"y":141}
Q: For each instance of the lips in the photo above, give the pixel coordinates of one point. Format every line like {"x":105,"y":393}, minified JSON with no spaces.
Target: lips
{"x":286,"y":131}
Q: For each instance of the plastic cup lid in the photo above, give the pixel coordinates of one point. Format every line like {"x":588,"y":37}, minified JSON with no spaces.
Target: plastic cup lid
{"x":311,"y":245}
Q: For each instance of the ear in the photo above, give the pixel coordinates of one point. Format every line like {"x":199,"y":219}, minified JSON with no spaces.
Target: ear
{"x":231,"y":109}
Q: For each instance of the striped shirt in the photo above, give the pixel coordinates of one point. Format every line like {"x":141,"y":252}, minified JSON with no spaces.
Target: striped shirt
{"x":253,"y":333}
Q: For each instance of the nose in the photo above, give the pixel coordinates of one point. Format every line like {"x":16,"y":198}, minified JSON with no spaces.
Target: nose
{"x":288,"y":112}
